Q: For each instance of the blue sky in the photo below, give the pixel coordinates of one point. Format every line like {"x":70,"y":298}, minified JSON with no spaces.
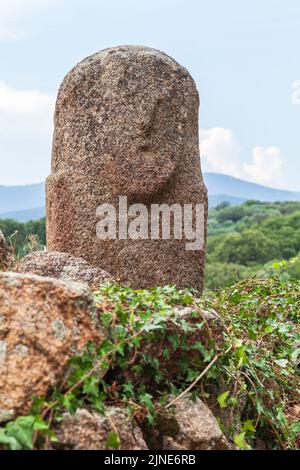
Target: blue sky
{"x":244,"y":57}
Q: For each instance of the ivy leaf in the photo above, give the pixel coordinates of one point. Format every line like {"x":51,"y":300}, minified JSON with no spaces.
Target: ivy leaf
{"x":269,"y":329}
{"x":128,"y":389}
{"x":152,"y":327}
{"x":282,"y":362}
{"x":187,"y":299}
{"x":248,"y":426}
{"x":22,"y":431}
{"x":295,"y":356}
{"x":10,"y":441}
{"x":242,"y":356}
{"x":147,"y":400}
{"x":295,"y":428}
{"x":236,"y":298}
{"x":222,"y":399}
{"x":150,"y":419}
{"x":91,"y":387}
{"x":113,"y":441}
{"x":121,"y":314}
{"x":281,"y":417}
{"x":39,"y":424}
{"x":240,"y":441}
{"x":67,"y":401}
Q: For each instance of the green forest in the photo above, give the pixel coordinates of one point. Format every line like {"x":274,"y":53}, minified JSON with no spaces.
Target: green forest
{"x":242,"y":240}
{"x":248,"y":239}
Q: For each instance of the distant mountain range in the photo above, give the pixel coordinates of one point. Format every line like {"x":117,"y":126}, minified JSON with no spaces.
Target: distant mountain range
{"x":230,"y":187}
{"x":26,"y":215}
{"x":24,"y":203}
{"x":20,"y":198}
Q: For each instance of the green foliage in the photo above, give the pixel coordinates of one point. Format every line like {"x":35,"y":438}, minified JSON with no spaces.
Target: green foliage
{"x":263,"y":317}
{"x":18,"y":434}
{"x":222,"y":399}
{"x":232,"y":213}
{"x":240,"y":441}
{"x":243,"y":239}
{"x":113,"y":441}
{"x":24,"y":238}
{"x":218,"y":273}
{"x":246,"y":248}
{"x":249,"y":374}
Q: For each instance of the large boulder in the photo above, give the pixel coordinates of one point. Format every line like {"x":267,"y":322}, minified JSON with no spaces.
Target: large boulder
{"x":43,"y":323}
{"x":3,"y":253}
{"x":90,"y":431}
{"x":63,"y":266}
{"x":191,"y":427}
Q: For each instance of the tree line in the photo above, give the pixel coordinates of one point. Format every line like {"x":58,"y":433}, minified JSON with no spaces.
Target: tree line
{"x":242,"y":240}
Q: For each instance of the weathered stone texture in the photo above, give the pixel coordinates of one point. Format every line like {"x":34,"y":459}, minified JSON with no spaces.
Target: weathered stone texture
{"x":198,"y":428}
{"x":90,"y":431}
{"x":64,"y":267}
{"x":43,"y":323}
{"x":191,"y":427}
{"x":126,"y":124}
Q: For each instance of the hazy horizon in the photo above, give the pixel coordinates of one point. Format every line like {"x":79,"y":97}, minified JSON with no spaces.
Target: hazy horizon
{"x":204,"y":173}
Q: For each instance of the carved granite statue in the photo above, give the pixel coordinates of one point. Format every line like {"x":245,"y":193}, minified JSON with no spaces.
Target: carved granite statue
{"x":126,"y":124}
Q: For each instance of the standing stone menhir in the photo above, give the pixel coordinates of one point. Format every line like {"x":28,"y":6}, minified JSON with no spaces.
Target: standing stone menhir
{"x":126,"y":124}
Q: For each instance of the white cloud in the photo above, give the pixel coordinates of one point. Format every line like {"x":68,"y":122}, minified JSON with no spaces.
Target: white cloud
{"x":221,"y":150}
{"x":266,"y":165}
{"x":13,"y":13}
{"x":25,"y":111}
{"x":222,"y":153}
{"x":295,"y":99}
{"x":26,"y":124}
{"x":22,"y":101}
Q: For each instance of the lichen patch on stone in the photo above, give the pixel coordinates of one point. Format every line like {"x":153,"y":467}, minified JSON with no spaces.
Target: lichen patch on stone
{"x":3,"y":349}
{"x":59,"y":330}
